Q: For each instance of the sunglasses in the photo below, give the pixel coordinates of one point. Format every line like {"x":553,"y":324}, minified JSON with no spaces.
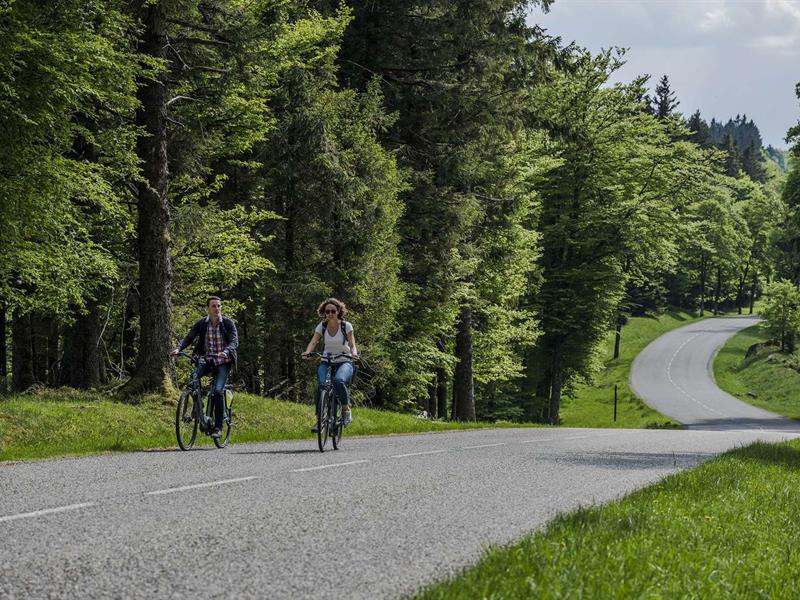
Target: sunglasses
{"x":331,"y":311}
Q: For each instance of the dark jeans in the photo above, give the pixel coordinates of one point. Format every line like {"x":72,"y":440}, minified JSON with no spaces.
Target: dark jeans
{"x":219,"y":377}
{"x":341,"y":376}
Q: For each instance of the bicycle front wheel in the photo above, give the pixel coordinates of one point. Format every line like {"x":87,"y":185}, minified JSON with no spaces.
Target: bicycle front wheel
{"x":338,"y":424}
{"x":186,"y":420}
{"x":323,"y":409}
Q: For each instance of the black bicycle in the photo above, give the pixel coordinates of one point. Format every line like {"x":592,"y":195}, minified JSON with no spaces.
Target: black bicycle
{"x":330,"y":421}
{"x":196,"y":410}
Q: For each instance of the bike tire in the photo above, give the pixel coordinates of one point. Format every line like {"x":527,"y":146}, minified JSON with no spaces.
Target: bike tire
{"x":227,"y":424}
{"x":336,"y":436}
{"x":323,"y":420}
{"x":186,"y":420}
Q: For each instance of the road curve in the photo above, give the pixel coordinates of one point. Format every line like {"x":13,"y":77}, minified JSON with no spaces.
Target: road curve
{"x":674,"y":375}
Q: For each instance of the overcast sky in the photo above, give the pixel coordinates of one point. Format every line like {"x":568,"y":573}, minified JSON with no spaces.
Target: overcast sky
{"x":724,"y":57}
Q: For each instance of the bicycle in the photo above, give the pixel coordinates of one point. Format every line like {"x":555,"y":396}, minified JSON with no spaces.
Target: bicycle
{"x":329,"y":409}
{"x":192,"y":413}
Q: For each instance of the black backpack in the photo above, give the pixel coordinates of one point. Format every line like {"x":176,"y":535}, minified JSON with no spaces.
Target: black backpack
{"x":325,"y":328}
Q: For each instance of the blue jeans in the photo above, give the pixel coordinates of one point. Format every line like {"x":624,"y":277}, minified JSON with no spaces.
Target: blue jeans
{"x":342,"y":374}
{"x":219,"y":377}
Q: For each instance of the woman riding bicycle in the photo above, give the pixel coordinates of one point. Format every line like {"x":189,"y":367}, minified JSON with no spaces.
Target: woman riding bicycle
{"x":338,"y":339}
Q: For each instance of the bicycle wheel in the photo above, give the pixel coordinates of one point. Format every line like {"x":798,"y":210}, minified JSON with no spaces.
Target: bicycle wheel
{"x":323,"y":420}
{"x":185,"y":420}
{"x":227,"y":423}
{"x":337,"y":419}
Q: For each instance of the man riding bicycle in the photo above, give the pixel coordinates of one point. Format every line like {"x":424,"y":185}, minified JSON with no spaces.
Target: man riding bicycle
{"x":217,"y":340}
{"x":338,"y":339}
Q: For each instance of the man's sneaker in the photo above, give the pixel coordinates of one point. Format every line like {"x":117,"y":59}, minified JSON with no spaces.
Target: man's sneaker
{"x":314,"y":428}
{"x":347,"y":418}
{"x":216,"y":433}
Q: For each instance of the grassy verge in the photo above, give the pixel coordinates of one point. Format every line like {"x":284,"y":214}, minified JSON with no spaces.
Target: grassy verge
{"x":71,"y":422}
{"x":727,"y":529}
{"x":593,"y":405}
{"x":759,"y":379}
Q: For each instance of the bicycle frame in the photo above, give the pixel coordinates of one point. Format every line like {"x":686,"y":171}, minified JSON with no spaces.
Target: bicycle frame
{"x":202,"y":397}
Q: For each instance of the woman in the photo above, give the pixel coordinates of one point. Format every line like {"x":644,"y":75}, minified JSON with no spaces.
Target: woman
{"x":337,"y":336}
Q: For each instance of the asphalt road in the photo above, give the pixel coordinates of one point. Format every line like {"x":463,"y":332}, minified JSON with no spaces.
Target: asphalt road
{"x":378,"y":519}
{"x":674,"y":375}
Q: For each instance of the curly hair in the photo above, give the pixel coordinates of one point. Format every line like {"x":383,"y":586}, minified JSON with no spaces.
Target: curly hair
{"x":340,"y":307}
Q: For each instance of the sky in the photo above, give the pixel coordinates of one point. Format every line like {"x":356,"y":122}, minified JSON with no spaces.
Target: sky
{"x":723,"y":57}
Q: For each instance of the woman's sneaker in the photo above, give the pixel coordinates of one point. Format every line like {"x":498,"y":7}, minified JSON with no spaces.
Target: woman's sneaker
{"x":347,"y":418}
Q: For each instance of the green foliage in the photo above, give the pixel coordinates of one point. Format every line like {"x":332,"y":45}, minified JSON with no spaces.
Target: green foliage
{"x":749,"y":367}
{"x":781,"y":311}
{"x":66,"y":72}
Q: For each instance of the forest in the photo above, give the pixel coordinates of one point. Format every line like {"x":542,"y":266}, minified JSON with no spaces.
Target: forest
{"x":487,"y":204}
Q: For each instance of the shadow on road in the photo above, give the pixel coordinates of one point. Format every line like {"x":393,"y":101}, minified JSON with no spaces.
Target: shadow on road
{"x":638,"y":460}
{"x":780,"y":424}
{"x":303,"y":451}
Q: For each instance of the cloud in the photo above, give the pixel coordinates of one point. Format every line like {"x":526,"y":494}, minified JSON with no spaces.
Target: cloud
{"x":722,"y":56}
{"x":677,"y":23}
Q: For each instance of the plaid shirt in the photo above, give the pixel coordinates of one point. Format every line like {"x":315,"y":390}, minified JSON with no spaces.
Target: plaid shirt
{"x":215,"y":343}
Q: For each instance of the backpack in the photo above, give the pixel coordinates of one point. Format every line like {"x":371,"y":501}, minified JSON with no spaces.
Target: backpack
{"x":325,"y":328}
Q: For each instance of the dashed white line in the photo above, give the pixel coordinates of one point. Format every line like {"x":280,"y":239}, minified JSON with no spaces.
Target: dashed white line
{"x":199,"y":485}
{"x":318,"y":467}
{"x":419,"y":453}
{"x":46,"y":511}
{"x":679,"y":388}
{"x":483,"y":446}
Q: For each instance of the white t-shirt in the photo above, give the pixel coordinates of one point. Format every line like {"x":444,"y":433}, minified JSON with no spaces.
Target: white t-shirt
{"x":336,"y":344}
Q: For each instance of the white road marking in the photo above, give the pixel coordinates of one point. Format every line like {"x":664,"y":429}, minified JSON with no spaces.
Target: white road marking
{"x":559,"y":439}
{"x":483,"y":446}
{"x":679,"y":388}
{"x":317,"y":468}
{"x":419,"y":453}
{"x":46,"y":511}
{"x":199,"y":485}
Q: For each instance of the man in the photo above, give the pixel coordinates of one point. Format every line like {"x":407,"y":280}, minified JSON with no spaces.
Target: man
{"x":217,"y":340}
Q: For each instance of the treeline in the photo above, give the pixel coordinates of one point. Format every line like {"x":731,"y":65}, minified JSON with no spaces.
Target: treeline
{"x":485,"y":203}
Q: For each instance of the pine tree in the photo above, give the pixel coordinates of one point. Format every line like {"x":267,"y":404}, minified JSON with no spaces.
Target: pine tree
{"x":664,"y":102}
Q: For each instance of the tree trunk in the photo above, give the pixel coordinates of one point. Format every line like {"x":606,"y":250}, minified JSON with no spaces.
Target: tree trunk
{"x":703,"y":263}
{"x":555,"y":386}
{"x":463,"y":385}
{"x":717,"y":290}
{"x":617,"y":336}
{"x":753,"y":291}
{"x":740,"y":288}
{"x":127,"y":346}
{"x":441,"y":383}
{"x":82,"y":360}
{"x":3,"y":349}
{"x":154,"y":370}
{"x":22,"y":372}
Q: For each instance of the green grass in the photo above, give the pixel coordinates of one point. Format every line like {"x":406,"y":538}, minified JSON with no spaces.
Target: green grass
{"x":593,"y":405}
{"x":759,"y":380}
{"x":728,"y":529}
{"x":70,"y":422}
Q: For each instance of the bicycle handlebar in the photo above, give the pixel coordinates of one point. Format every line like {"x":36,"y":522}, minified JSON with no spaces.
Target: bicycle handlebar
{"x":196,"y":359}
{"x":331,"y":357}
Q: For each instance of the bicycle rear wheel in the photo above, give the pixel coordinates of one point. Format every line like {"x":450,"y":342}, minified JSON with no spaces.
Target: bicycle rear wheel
{"x":186,"y":420}
{"x":323,"y":409}
{"x":227,"y":424}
